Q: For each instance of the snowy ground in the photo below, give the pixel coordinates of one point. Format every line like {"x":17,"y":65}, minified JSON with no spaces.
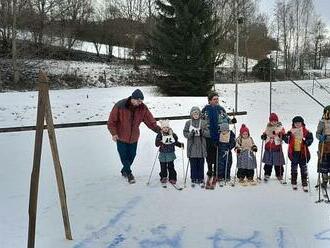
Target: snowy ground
{"x":107,"y":212}
{"x":96,"y":74}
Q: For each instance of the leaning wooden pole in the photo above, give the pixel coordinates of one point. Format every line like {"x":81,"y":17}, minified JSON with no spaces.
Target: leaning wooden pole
{"x":58,"y":168}
{"x":34,"y":186}
{"x":44,"y":112}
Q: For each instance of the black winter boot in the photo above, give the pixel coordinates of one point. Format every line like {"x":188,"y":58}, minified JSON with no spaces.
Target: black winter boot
{"x":294,"y":178}
{"x":324,"y":180}
{"x":304,"y":180}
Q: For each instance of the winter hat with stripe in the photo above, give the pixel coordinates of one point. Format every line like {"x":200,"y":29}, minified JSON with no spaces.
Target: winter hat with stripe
{"x":224,"y":127}
{"x":273,"y":117}
{"x":244,"y":129}
{"x":137,"y":94}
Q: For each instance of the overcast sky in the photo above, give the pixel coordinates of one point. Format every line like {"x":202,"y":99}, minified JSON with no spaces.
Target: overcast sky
{"x":322,"y":8}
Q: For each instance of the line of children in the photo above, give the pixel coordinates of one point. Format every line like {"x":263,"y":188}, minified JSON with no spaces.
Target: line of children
{"x":196,"y":130}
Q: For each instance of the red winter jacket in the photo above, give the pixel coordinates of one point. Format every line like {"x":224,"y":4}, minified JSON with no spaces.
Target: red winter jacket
{"x":125,"y":119}
{"x":308,"y":139}
{"x":274,"y":137}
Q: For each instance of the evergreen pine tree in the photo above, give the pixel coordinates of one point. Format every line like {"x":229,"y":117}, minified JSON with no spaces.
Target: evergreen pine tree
{"x":183,"y":45}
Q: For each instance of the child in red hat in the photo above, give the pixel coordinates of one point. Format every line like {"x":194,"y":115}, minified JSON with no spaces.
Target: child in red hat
{"x":273,"y":154}
{"x":246,"y":159}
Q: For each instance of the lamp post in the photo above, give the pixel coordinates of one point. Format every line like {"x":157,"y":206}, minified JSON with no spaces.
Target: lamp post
{"x":239,"y":20}
{"x":270,"y":84}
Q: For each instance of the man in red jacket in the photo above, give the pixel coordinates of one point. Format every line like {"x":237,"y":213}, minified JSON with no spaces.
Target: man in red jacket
{"x":123,"y":124}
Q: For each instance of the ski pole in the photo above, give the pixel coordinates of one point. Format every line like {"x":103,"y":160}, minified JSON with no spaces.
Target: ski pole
{"x":260,"y":164}
{"x":183,"y":163}
{"x":255,"y":156}
{"x":309,"y":183}
{"x":152,"y":169}
{"x":216,"y":164}
{"x":319,"y":171}
{"x":234,"y":182}
{"x":286,"y":163}
{"x":185,"y":179}
{"x":226,"y":168}
{"x":234,"y":123}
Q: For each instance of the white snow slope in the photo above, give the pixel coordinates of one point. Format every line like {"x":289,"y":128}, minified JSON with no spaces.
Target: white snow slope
{"x":106,"y":212}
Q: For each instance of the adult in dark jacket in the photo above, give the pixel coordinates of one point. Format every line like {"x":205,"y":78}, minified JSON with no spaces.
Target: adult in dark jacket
{"x":215,"y":115}
{"x":123,"y":124}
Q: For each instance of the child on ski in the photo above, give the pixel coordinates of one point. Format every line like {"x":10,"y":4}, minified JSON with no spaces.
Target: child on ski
{"x":166,"y":140}
{"x":323,"y":135}
{"x":273,"y":154}
{"x":246,"y":159}
{"x":299,"y":139}
{"x":195,"y":131}
{"x":226,"y":143}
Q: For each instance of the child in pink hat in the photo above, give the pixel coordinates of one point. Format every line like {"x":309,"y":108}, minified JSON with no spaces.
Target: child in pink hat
{"x":273,"y":154}
{"x":246,"y":159}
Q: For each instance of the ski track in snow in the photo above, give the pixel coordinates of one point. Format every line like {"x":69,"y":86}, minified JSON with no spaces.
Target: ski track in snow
{"x":100,"y":234}
{"x":220,"y":239}
{"x":160,"y":238}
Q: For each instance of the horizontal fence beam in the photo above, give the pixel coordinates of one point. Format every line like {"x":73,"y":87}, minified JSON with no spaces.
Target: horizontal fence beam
{"x":95,"y":123}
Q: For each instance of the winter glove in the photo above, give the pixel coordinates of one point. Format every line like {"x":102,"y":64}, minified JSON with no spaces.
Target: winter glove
{"x":254,"y":148}
{"x":323,"y":137}
{"x":274,"y":133}
{"x":233,"y":121}
{"x":158,"y":130}
{"x":289,"y":133}
{"x":181,"y":145}
{"x":238,"y":151}
{"x":264,"y":136}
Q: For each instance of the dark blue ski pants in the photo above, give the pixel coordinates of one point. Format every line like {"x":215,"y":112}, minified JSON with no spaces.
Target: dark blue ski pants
{"x":127,"y":154}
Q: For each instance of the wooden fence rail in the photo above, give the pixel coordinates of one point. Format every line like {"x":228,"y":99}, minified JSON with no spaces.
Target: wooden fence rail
{"x":94,"y":123}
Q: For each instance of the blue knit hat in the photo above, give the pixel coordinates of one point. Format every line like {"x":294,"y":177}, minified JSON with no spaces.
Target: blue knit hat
{"x":224,"y":127}
{"x":137,"y":94}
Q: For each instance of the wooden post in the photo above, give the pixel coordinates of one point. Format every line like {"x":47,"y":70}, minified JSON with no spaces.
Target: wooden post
{"x":44,"y":110}
{"x":58,"y":168}
{"x":36,"y":165}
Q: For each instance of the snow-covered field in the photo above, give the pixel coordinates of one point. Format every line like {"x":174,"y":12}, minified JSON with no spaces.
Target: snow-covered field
{"x":105,"y":211}
{"x":95,"y":74}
